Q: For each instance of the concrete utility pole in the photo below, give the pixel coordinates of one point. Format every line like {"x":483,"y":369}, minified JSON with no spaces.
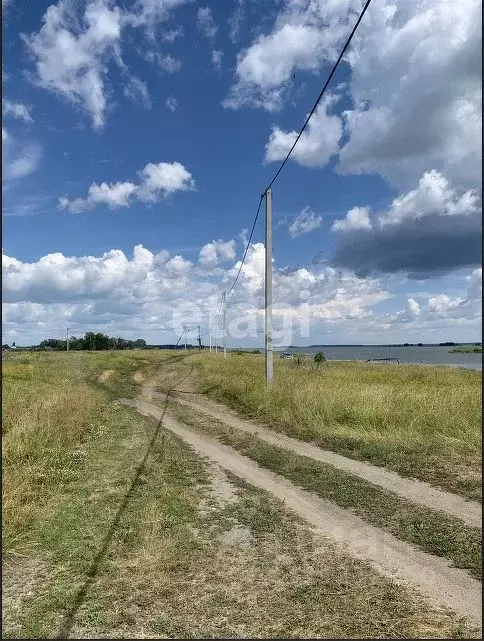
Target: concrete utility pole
{"x":268,"y":289}
{"x":67,"y":339}
{"x":224,"y":295}
{"x":199,"y":340}
{"x":185,"y":330}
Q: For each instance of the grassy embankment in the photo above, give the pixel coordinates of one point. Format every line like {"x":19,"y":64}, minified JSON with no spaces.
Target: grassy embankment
{"x":466,"y":349}
{"x":142,"y":551}
{"x":423,"y":422}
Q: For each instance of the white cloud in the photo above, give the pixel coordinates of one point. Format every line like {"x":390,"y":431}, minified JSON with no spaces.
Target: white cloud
{"x":16,"y":110}
{"x":414,"y":83}
{"x":162,"y":179}
{"x":72,"y":54}
{"x":303,"y":38}
{"x":171,"y":103}
{"x":172,"y":34}
{"x":433,"y":195}
{"x":151,"y":295}
{"x":114,"y":196}
{"x":19,"y":157}
{"x":167,"y":63}
{"x":73,"y":62}
{"x":356,"y":218}
{"x":205,"y":22}
{"x":217,"y":59}
{"x":434,"y":228}
{"x":416,"y":90}
{"x":148,"y":13}
{"x":216,"y":252}
{"x":137,"y":91}
{"x":235,"y":21}
{"x":317,"y":144}
{"x":156,"y":182}
{"x":305,"y":222}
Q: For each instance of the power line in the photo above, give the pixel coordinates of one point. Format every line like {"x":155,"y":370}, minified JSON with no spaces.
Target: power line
{"x":248,"y":244}
{"x":333,"y":70}
{"x":350,"y":37}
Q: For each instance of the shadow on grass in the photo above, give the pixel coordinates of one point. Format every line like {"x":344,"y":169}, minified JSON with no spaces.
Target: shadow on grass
{"x":68,"y":620}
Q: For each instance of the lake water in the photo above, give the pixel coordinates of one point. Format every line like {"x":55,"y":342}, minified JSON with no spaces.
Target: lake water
{"x":426,"y":355}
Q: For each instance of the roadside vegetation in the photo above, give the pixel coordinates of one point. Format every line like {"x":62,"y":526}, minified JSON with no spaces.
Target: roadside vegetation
{"x":422,"y":422}
{"x":104,"y":538}
{"x":434,"y":532}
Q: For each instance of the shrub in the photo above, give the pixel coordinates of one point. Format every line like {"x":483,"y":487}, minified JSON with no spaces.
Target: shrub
{"x":319,"y":358}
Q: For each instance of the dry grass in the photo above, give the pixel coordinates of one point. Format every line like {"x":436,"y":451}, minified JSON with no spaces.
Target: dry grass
{"x":52,"y":403}
{"x":420,"y":421}
{"x":70,"y":457}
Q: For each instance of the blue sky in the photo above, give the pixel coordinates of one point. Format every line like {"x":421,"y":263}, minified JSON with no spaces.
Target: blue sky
{"x":159,"y":123}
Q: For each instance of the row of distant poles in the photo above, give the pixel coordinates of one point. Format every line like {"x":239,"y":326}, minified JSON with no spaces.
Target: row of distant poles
{"x":269,"y":366}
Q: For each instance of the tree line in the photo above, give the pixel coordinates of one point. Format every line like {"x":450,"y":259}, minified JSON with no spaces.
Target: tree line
{"x":92,"y":341}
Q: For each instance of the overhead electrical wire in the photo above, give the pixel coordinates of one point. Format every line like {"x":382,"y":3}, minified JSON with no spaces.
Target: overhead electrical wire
{"x":333,"y":70}
{"x":318,"y":100}
{"x":248,"y":244}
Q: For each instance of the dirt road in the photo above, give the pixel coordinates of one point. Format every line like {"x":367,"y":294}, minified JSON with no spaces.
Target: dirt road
{"x":413,"y":490}
{"x":431,"y":576}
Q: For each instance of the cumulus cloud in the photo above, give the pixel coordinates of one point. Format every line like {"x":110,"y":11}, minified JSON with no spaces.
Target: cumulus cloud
{"x":416,"y":90}
{"x":152,"y":295}
{"x":72,"y":54}
{"x":216,"y":251}
{"x":303,"y":38}
{"x":16,"y":110}
{"x":304,"y":222}
{"x":156,"y":182}
{"x":414,"y":84}
{"x":430,"y":230}
{"x":317,"y":144}
{"x":205,"y":22}
{"x":356,"y":218}
{"x":440,"y":309}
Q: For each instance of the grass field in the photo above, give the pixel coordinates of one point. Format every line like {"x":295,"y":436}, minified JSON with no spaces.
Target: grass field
{"x":419,"y":421}
{"x":105,"y":538}
{"x":466,"y":349}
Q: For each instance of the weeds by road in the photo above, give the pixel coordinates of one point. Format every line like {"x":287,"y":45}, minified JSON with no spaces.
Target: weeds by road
{"x":423,"y":422}
{"x":434,"y":532}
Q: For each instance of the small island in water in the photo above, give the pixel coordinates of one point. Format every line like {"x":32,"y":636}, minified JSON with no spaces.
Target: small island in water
{"x":467,"y":349}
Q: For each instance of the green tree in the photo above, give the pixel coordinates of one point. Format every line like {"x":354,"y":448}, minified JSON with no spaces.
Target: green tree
{"x":319,"y":358}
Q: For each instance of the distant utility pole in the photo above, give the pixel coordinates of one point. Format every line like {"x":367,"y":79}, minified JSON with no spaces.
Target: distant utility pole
{"x":210,"y":338}
{"x":67,"y":339}
{"x":185,"y":331}
{"x":224,"y":297}
{"x":199,"y":340}
{"x":268,"y":290}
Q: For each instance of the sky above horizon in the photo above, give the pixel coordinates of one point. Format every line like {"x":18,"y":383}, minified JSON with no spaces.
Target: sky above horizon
{"x":138,"y":136}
